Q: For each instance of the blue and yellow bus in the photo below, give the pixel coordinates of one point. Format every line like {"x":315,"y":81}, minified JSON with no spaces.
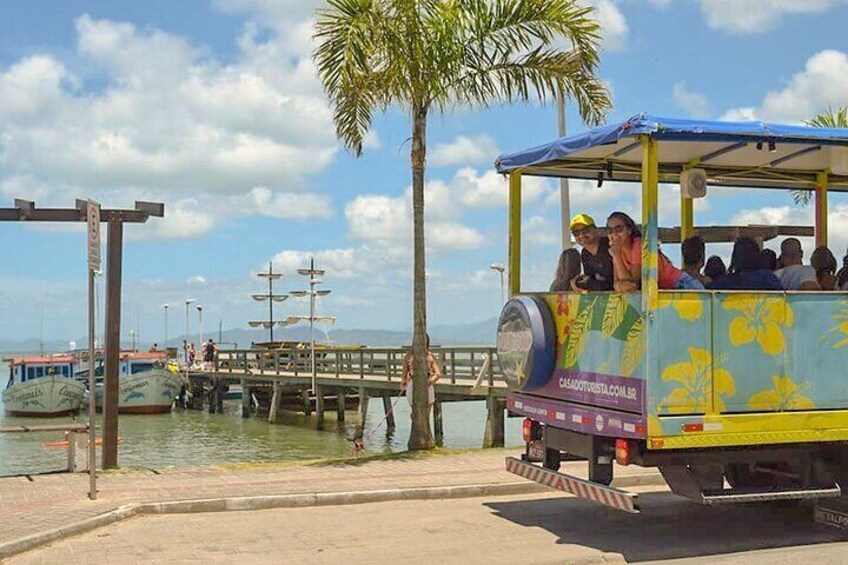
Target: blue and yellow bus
{"x":736,"y":396}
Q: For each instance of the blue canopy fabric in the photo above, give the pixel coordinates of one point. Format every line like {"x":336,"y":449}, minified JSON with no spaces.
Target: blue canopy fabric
{"x":801,"y":148}
{"x":672,"y":129}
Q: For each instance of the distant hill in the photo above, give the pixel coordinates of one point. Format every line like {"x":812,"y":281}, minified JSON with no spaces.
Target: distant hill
{"x":477,"y":333}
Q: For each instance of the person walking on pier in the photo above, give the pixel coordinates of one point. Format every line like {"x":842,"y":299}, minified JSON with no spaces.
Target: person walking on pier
{"x":434,"y":373}
{"x":209,"y":352}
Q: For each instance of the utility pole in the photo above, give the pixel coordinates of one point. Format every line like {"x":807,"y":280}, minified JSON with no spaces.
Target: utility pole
{"x":26,"y":211}
{"x":564,"y":197}
{"x":271,"y":298}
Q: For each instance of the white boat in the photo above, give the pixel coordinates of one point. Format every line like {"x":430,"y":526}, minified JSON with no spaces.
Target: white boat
{"x":146,"y":385}
{"x":42,"y":386}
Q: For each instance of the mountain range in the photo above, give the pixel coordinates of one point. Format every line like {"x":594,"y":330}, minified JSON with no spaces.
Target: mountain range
{"x":476,"y":333}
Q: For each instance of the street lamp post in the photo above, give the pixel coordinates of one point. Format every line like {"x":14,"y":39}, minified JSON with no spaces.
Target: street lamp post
{"x":132,"y":334}
{"x":188,"y":302}
{"x":165,"y":343}
{"x":500,"y":269}
{"x":200,"y":322}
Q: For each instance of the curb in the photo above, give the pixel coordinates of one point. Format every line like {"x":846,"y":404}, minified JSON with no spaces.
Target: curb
{"x":248,"y":503}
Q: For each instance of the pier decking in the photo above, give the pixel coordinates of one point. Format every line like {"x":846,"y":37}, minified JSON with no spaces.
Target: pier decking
{"x":274,"y":379}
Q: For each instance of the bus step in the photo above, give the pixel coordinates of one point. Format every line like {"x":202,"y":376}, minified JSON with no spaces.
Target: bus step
{"x":596,"y":492}
{"x":764,"y":494}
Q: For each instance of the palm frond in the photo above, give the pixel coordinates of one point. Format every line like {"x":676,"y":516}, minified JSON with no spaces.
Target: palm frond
{"x":837,"y":118}
{"x":831,"y":118}
{"x":513,"y":50}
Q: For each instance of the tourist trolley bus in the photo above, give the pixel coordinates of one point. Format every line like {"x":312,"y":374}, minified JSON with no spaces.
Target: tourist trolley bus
{"x":734,"y":396}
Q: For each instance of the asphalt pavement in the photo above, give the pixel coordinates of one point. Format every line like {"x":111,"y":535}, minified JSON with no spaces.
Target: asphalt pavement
{"x":539,"y":528}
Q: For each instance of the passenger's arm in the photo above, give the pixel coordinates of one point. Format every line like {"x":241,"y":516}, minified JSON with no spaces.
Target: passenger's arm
{"x":810,"y":285}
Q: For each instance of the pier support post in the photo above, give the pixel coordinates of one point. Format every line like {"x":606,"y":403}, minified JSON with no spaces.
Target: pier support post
{"x":319,"y":406}
{"x":495,"y":418}
{"x":275,"y":402}
{"x":307,"y":402}
{"x":390,"y":415}
{"x":363,"y":412}
{"x":340,"y":405}
{"x":438,"y":423}
{"x":246,"y":400}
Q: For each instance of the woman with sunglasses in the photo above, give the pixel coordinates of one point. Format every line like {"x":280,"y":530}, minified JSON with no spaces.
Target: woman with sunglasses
{"x":626,"y":251}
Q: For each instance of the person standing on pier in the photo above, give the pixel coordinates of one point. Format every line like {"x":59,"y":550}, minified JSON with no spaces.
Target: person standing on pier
{"x":434,"y":373}
{"x":209,"y":351}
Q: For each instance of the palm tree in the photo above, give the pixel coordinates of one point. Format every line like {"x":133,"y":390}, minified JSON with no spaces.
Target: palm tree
{"x":434,"y":55}
{"x":830,"y":119}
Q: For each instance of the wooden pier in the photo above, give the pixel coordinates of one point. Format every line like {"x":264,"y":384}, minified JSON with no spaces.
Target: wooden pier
{"x":272,"y":380}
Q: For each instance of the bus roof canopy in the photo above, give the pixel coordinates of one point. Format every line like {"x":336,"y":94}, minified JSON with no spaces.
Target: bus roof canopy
{"x":752,"y":154}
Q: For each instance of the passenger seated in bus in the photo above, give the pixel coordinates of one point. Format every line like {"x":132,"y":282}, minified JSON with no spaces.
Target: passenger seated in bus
{"x":842,"y":275}
{"x":714,"y":269}
{"x":567,"y":271}
{"x":693,"y":251}
{"x":597,"y":262}
{"x":769,"y":259}
{"x":824,"y":263}
{"x":794,"y":275}
{"x":626,"y":251}
{"x":746,"y":270}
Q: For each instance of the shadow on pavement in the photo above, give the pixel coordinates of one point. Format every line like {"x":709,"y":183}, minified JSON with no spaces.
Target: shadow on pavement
{"x":669,"y":526}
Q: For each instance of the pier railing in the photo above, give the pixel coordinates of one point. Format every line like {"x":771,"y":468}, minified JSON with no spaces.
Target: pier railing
{"x":460,"y":365}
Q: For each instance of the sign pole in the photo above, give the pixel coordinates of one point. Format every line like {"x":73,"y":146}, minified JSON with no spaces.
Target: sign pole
{"x":93,"y":215}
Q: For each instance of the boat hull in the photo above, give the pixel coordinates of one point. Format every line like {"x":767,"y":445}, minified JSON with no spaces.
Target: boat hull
{"x":46,"y":397}
{"x":151,"y":392}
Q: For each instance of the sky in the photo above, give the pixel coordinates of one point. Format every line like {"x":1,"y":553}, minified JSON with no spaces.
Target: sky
{"x":214,"y":108}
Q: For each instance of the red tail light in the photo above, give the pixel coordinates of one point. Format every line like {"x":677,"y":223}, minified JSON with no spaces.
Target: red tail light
{"x":527,"y":430}
{"x":622,"y":452}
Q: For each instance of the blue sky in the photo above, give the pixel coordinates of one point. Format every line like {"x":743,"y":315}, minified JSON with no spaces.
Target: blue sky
{"x":213,"y":107}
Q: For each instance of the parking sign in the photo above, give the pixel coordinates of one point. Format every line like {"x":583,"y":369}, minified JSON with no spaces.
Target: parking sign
{"x":93,"y":214}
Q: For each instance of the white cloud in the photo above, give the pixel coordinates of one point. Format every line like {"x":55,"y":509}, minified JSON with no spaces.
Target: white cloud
{"x":823,"y":82}
{"x":537,"y":231}
{"x":196,"y":280}
{"x":289,"y":206}
{"x":464,"y":151}
{"x":694,"y":103}
{"x":343,"y":263}
{"x":837,"y":220}
{"x":757,"y":16}
{"x":614,"y":28}
{"x":172,"y":123}
{"x":491,"y":190}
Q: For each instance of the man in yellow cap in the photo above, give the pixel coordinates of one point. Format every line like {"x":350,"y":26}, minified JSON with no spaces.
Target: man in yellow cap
{"x":595,"y":256}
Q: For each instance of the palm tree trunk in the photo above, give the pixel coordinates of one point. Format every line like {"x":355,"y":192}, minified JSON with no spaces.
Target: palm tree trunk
{"x":420,"y":436}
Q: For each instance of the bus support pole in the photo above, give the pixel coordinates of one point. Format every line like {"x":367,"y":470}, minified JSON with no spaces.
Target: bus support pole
{"x":514,"y":233}
{"x":687,"y":218}
{"x":821,"y":209}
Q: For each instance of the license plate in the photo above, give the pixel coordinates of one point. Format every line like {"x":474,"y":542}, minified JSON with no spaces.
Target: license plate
{"x":535,"y":450}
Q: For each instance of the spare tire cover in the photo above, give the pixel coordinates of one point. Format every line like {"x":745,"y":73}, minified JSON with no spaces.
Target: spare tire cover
{"x":526,"y":343}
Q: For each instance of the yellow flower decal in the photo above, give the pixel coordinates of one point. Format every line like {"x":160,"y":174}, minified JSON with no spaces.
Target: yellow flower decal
{"x":762,"y":319}
{"x":842,"y":327}
{"x":695,"y":377}
{"x":565,"y":308}
{"x":786,"y":395}
{"x":689,"y":308}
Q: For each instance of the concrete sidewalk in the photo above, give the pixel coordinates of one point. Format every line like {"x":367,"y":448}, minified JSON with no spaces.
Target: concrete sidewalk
{"x":31,"y":507}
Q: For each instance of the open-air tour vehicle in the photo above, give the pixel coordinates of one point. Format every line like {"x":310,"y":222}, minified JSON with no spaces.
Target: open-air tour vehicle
{"x":734,"y":396}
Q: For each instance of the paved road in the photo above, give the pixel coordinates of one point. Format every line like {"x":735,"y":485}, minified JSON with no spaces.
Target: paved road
{"x":509,"y":530}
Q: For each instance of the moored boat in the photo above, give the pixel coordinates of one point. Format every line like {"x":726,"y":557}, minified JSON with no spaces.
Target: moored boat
{"x":146,"y":385}
{"x":42,"y":387}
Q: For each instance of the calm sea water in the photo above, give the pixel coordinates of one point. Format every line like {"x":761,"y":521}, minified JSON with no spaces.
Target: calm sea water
{"x":189,"y":438}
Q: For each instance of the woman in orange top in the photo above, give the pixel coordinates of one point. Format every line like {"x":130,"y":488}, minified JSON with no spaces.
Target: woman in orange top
{"x":626,"y":250}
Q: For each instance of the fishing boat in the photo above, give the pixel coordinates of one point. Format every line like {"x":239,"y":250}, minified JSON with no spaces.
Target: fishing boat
{"x":147,"y":383}
{"x":42,"y":386}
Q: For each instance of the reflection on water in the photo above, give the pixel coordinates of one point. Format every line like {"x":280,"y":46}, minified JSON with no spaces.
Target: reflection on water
{"x":189,"y":438}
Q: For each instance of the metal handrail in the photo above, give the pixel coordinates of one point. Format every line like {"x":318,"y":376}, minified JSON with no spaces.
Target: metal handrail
{"x":458,"y":363}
